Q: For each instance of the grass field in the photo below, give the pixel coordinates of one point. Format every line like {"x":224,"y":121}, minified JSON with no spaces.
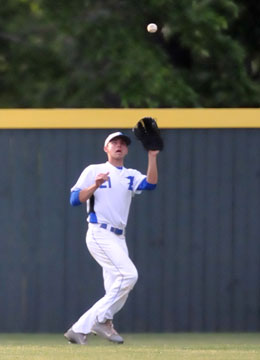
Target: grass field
{"x":190,"y":346}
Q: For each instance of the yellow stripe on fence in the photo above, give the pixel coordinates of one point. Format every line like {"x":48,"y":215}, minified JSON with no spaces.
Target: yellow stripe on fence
{"x":127,"y":118}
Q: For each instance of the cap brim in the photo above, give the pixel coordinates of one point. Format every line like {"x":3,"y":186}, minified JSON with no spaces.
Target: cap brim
{"x":126,"y":139}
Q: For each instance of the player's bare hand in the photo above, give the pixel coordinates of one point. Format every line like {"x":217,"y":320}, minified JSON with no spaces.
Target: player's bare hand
{"x":101,"y":178}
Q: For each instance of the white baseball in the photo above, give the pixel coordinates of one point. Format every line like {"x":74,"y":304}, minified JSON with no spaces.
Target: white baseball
{"x":152,"y":28}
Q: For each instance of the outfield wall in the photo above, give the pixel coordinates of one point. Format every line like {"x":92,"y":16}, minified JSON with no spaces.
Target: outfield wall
{"x":195,"y":240}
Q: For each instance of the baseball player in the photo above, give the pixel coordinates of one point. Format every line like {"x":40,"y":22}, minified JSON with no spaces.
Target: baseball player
{"x":107,"y":189}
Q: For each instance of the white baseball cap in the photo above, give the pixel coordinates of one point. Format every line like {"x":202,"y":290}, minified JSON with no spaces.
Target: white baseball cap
{"x":117,"y":134}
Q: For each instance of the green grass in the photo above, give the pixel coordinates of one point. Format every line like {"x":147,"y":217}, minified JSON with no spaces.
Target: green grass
{"x":179,"y":346}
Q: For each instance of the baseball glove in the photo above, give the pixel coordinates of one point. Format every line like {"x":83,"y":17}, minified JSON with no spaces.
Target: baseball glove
{"x":147,"y":131}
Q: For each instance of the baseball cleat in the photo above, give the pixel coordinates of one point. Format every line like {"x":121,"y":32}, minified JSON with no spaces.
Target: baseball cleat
{"x":75,"y":338}
{"x":107,"y":331}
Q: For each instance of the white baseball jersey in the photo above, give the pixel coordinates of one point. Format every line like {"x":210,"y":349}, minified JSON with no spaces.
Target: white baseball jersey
{"x":112,"y":199}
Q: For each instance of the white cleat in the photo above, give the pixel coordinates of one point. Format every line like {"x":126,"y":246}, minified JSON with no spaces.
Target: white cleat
{"x":107,"y":331}
{"x":76,"y":338}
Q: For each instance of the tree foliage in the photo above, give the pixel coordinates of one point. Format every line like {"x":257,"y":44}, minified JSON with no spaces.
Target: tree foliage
{"x":98,"y":54}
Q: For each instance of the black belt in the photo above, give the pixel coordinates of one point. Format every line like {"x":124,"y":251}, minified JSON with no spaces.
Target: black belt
{"x":112,"y":229}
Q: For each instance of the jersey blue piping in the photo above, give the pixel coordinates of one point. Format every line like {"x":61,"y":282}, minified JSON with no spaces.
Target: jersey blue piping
{"x":144,"y":185}
{"x":74,"y":198}
{"x":93,"y":218}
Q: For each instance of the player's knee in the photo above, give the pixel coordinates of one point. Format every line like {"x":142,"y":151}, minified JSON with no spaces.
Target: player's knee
{"x":135,"y":278}
{"x":132,"y":278}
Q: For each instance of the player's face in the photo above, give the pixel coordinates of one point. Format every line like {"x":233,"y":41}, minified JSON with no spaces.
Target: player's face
{"x":116,"y":149}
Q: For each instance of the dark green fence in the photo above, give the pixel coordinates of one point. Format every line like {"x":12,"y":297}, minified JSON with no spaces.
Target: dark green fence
{"x":195,"y":240}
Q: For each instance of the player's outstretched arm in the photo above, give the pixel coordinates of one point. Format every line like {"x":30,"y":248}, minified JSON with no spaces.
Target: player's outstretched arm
{"x":152,"y":171}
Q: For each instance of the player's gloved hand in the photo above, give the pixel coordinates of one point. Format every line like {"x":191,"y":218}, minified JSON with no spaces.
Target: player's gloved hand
{"x":147,"y":131}
{"x":153,"y":152}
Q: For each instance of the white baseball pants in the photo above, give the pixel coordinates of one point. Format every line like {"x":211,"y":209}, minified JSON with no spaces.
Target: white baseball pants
{"x":119,"y":274}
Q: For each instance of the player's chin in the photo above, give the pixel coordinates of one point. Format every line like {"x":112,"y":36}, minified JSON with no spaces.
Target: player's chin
{"x":119,"y":154}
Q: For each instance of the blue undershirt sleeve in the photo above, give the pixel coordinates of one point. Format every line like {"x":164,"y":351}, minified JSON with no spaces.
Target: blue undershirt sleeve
{"x":144,"y":185}
{"x":74,"y":198}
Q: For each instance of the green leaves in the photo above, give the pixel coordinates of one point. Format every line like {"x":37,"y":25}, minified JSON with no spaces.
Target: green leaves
{"x":99,"y":54}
